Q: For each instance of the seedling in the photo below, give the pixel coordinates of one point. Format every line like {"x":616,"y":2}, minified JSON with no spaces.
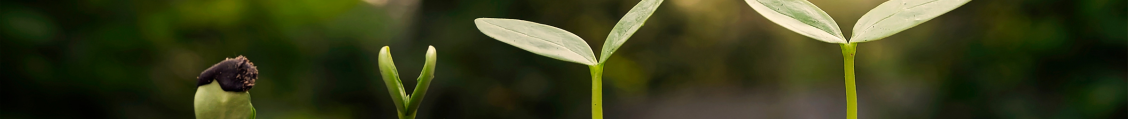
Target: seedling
{"x":406,"y":105}
{"x":887,"y":19}
{"x":559,"y":44}
{"x":223,"y":90}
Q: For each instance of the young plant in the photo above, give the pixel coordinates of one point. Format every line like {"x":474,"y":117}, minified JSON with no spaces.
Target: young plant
{"x":406,"y":105}
{"x":887,"y":19}
{"x":223,"y":90}
{"x":559,"y":44}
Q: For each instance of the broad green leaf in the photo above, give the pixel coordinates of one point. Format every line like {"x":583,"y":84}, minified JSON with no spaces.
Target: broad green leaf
{"x":895,"y":16}
{"x":424,"y":79}
{"x":627,"y":27}
{"x":538,"y":38}
{"x":391,"y":78}
{"x":800,"y":16}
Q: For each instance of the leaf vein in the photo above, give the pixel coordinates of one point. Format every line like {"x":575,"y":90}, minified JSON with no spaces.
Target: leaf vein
{"x":870,"y":26}
{"x":534,"y":37}
{"x":792,"y":16}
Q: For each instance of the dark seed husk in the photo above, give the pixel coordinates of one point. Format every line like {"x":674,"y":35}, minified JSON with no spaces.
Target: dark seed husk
{"x":233,"y":74}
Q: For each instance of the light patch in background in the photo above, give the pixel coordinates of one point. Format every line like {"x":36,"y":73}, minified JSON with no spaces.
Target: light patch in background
{"x":27,"y":25}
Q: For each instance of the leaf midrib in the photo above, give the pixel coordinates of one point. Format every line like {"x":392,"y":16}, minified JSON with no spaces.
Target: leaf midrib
{"x":534,"y":37}
{"x":797,"y":19}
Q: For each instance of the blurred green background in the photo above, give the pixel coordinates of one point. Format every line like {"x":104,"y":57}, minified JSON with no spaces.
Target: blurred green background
{"x":694,"y":59}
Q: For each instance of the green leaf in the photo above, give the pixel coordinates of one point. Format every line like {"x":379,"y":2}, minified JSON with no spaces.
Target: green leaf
{"x":895,"y":16}
{"x":538,"y":38}
{"x":800,"y":16}
{"x":424,"y":79}
{"x":627,"y":27}
{"x":211,"y":102}
{"x":391,"y":79}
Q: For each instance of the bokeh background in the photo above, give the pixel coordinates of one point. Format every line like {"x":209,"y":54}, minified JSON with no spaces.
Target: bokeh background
{"x":694,"y":59}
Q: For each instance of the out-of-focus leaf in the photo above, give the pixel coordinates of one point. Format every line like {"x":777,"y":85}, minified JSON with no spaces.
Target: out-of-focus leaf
{"x":538,"y":38}
{"x":895,"y":16}
{"x":800,"y":16}
{"x":627,"y":27}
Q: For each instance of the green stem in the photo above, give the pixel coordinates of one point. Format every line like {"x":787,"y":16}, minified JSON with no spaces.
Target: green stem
{"x":405,"y":116}
{"x":596,"y":91}
{"x":848,"y":52}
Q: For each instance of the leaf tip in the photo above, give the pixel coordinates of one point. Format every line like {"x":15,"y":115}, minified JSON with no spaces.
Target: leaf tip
{"x":482,"y":20}
{"x":431,"y":55}
{"x":385,"y":55}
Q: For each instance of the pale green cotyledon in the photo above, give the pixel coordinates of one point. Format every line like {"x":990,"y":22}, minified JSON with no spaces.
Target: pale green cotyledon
{"x":223,"y":90}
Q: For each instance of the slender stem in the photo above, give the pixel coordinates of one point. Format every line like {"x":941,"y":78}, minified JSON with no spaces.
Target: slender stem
{"x":408,"y":117}
{"x":848,"y":51}
{"x":596,"y":91}
{"x":405,"y":116}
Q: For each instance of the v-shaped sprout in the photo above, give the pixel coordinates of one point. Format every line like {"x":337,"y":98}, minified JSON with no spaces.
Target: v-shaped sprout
{"x":406,"y":105}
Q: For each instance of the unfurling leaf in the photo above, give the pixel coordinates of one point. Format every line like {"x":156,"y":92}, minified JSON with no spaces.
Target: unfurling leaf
{"x":391,"y":78}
